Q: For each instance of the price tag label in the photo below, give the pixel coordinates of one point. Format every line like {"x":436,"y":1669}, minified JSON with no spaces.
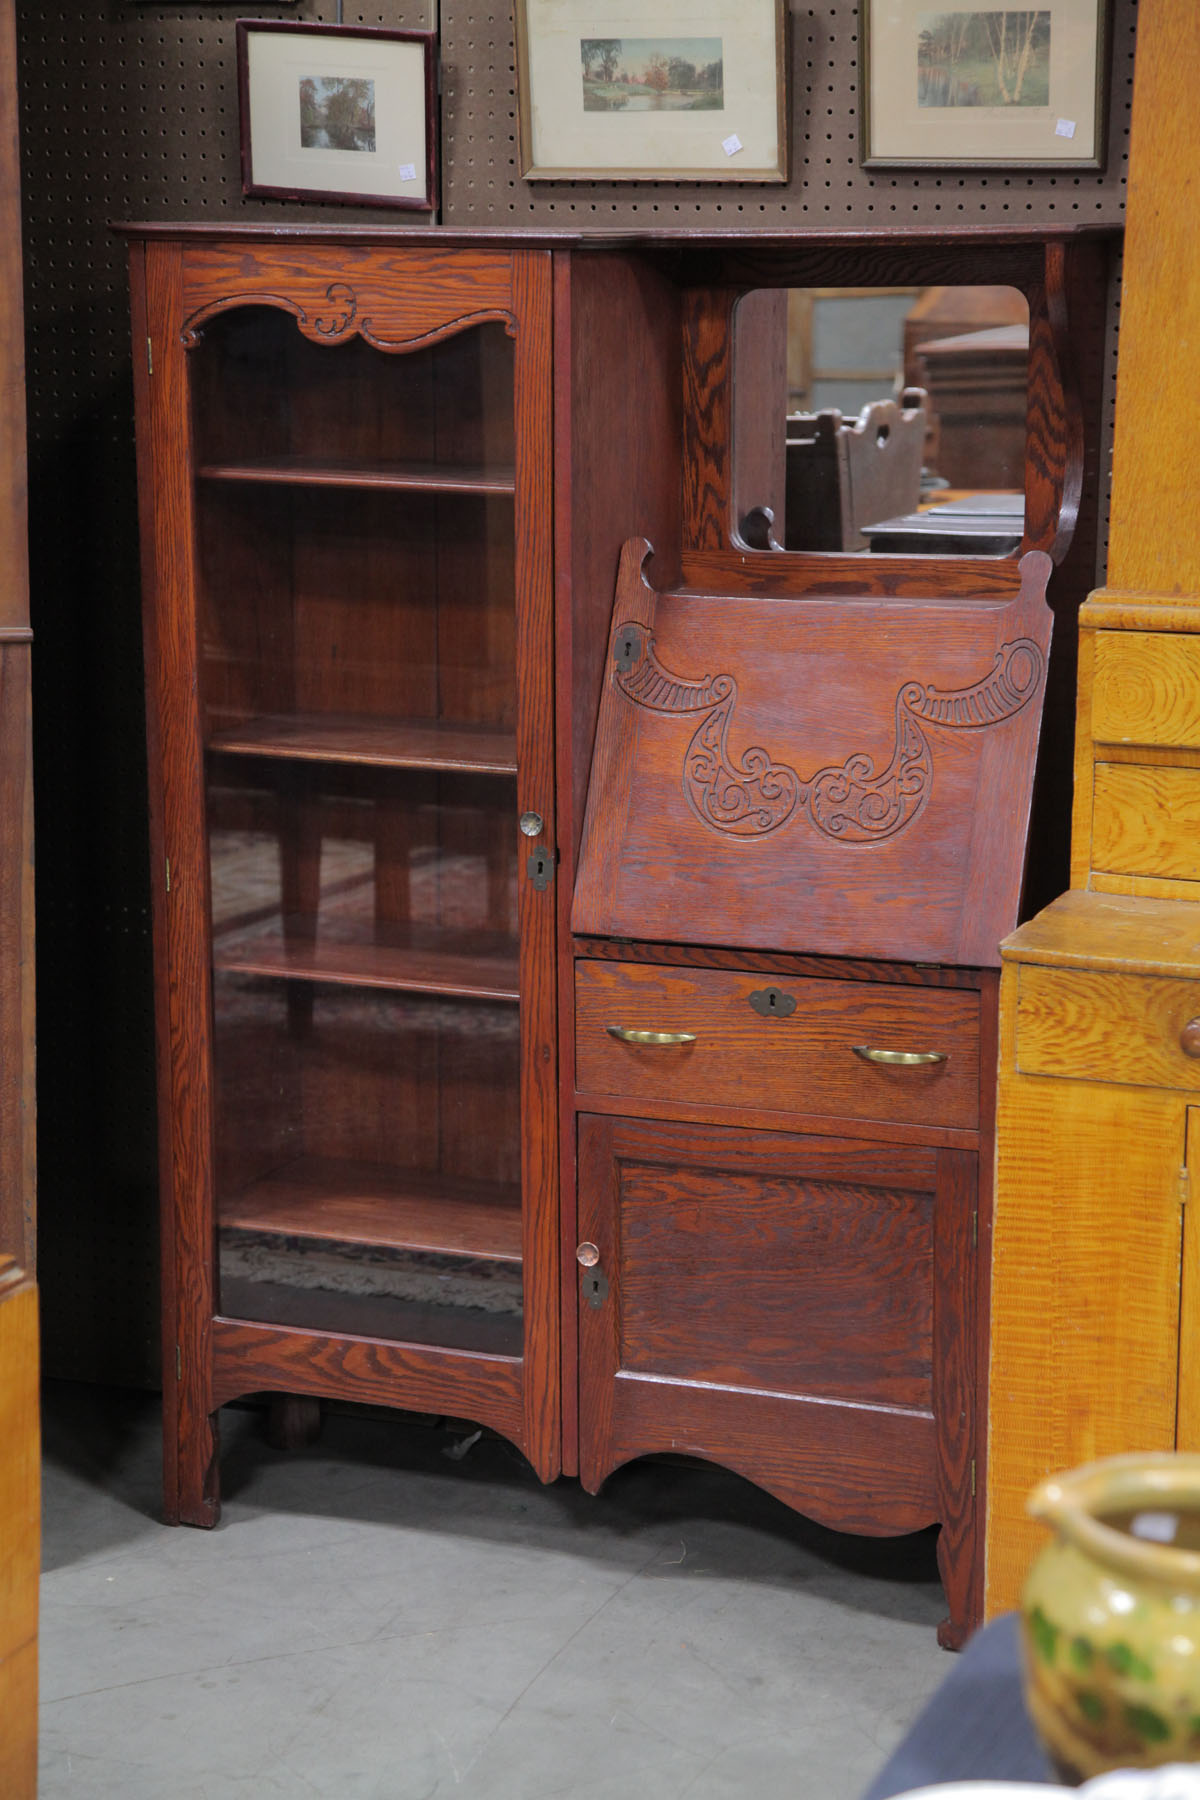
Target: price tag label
{"x":732,"y":144}
{"x":1065,"y":128}
{"x":408,"y":171}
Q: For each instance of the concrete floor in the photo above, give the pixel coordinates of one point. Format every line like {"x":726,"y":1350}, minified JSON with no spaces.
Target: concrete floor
{"x":374,"y":1620}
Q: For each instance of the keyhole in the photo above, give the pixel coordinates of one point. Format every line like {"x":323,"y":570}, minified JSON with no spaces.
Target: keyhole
{"x":772,"y":1000}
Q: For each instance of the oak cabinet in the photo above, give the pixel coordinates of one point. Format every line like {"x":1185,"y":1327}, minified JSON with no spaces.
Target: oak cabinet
{"x":575,"y":959}
{"x":344,"y":461}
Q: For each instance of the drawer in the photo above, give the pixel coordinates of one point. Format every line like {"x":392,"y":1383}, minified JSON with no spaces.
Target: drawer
{"x":1090,"y":1025}
{"x":800,"y":1060}
{"x":1146,"y":689}
{"x":1146,"y":821}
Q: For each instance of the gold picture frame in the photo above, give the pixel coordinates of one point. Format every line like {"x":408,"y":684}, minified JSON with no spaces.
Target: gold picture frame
{"x":691,"y":90}
{"x":960,"y":86}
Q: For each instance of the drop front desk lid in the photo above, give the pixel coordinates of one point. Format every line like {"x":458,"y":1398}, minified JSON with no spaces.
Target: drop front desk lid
{"x":848,"y":776}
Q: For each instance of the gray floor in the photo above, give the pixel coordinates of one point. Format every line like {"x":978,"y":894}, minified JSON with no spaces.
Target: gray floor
{"x":376,"y":1620}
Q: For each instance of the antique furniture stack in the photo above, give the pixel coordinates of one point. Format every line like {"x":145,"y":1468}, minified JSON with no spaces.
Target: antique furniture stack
{"x":577,"y":930}
{"x":1096,"y":1302}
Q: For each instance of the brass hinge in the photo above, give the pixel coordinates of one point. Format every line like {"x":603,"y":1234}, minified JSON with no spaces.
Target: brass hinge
{"x":150,"y":356}
{"x":972,"y":1478}
{"x":179,"y":1369}
{"x":168,"y":874}
{"x":1185,"y":1185}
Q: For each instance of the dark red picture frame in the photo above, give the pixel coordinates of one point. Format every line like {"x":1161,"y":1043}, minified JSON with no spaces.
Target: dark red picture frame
{"x":264,"y":190}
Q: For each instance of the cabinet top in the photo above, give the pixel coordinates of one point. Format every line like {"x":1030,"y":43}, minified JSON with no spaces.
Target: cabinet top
{"x":667,"y":238}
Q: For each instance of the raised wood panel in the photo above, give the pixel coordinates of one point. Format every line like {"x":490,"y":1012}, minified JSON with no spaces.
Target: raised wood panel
{"x":1079,"y":1024}
{"x":801,"y":1062}
{"x":1146,"y":689}
{"x":1085,"y":1289}
{"x":1146,"y":821}
{"x":799,"y":1308}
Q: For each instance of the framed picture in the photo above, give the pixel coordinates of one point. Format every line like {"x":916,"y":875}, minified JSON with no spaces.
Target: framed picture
{"x":976,"y":87}
{"x":337,"y":113}
{"x":684,"y":90}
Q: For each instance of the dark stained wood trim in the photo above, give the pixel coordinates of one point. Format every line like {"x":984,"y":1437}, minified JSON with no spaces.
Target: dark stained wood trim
{"x":534,"y":524}
{"x":250,"y":1358}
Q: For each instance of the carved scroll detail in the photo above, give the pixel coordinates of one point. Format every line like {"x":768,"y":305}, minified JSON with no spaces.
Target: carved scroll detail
{"x":342,"y":322}
{"x":851,"y":803}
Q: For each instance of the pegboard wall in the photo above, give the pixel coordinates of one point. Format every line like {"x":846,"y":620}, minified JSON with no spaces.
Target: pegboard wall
{"x":129,"y":111}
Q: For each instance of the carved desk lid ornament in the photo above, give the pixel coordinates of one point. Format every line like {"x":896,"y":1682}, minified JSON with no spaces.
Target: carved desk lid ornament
{"x":845,"y":776}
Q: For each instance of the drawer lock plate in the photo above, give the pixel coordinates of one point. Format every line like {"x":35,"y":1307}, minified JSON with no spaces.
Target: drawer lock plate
{"x":773,"y":1003}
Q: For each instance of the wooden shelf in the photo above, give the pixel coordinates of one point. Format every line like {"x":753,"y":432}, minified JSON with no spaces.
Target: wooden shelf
{"x":459,"y":966}
{"x":334,"y":1201}
{"x":414,"y":477}
{"x":390,"y":743}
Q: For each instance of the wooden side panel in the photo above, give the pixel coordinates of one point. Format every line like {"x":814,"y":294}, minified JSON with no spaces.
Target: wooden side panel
{"x":1085,"y":1288}
{"x":179,"y":887}
{"x":1154,"y":524}
{"x":20,"y":1532}
{"x":1187,"y":1412}
{"x":17,"y":1099}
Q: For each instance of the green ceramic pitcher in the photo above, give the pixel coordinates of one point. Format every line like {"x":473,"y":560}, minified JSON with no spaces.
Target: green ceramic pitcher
{"x":1111,"y":1615}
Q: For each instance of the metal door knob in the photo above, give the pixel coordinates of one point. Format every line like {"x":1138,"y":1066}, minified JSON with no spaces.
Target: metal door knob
{"x":587,"y":1256}
{"x":1189,"y":1038}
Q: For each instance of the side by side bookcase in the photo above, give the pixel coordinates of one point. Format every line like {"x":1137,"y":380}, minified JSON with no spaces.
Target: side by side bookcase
{"x":576,"y":989}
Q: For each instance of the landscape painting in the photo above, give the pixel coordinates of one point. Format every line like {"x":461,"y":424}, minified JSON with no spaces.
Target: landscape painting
{"x":637,"y":75}
{"x":337,"y":112}
{"x":999,"y":58}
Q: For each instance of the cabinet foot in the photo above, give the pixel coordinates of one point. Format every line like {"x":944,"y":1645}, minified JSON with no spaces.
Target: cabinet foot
{"x":293,"y":1421}
{"x":199,"y":1452}
{"x":956,"y":1566}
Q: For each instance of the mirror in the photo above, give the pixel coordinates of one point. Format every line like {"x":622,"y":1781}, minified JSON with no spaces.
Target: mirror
{"x":905,"y":420}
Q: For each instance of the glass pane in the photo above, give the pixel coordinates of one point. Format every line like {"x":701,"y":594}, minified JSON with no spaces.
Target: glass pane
{"x":357,"y":623}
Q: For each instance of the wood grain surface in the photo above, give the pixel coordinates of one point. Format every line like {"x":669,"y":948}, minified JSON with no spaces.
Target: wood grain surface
{"x":1085,"y":1287}
{"x":1083,"y":1024}
{"x":337,"y":1200}
{"x":20,"y":1531}
{"x":742,"y":1322}
{"x":1154,"y":544}
{"x":1146,"y":689}
{"x":1146,"y":821}
{"x":763,"y":709}
{"x":803,"y":1061}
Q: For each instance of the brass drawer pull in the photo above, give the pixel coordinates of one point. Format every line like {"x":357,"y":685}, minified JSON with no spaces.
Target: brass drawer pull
{"x":628,"y":1035}
{"x":901,"y":1059}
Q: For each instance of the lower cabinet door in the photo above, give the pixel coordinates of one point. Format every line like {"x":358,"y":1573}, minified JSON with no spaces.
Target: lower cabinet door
{"x":796,"y":1307}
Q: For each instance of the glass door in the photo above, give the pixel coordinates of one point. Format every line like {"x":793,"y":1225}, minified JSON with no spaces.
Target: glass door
{"x":358,"y":692}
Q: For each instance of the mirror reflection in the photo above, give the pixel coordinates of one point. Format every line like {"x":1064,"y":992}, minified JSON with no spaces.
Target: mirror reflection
{"x":905,"y":427}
